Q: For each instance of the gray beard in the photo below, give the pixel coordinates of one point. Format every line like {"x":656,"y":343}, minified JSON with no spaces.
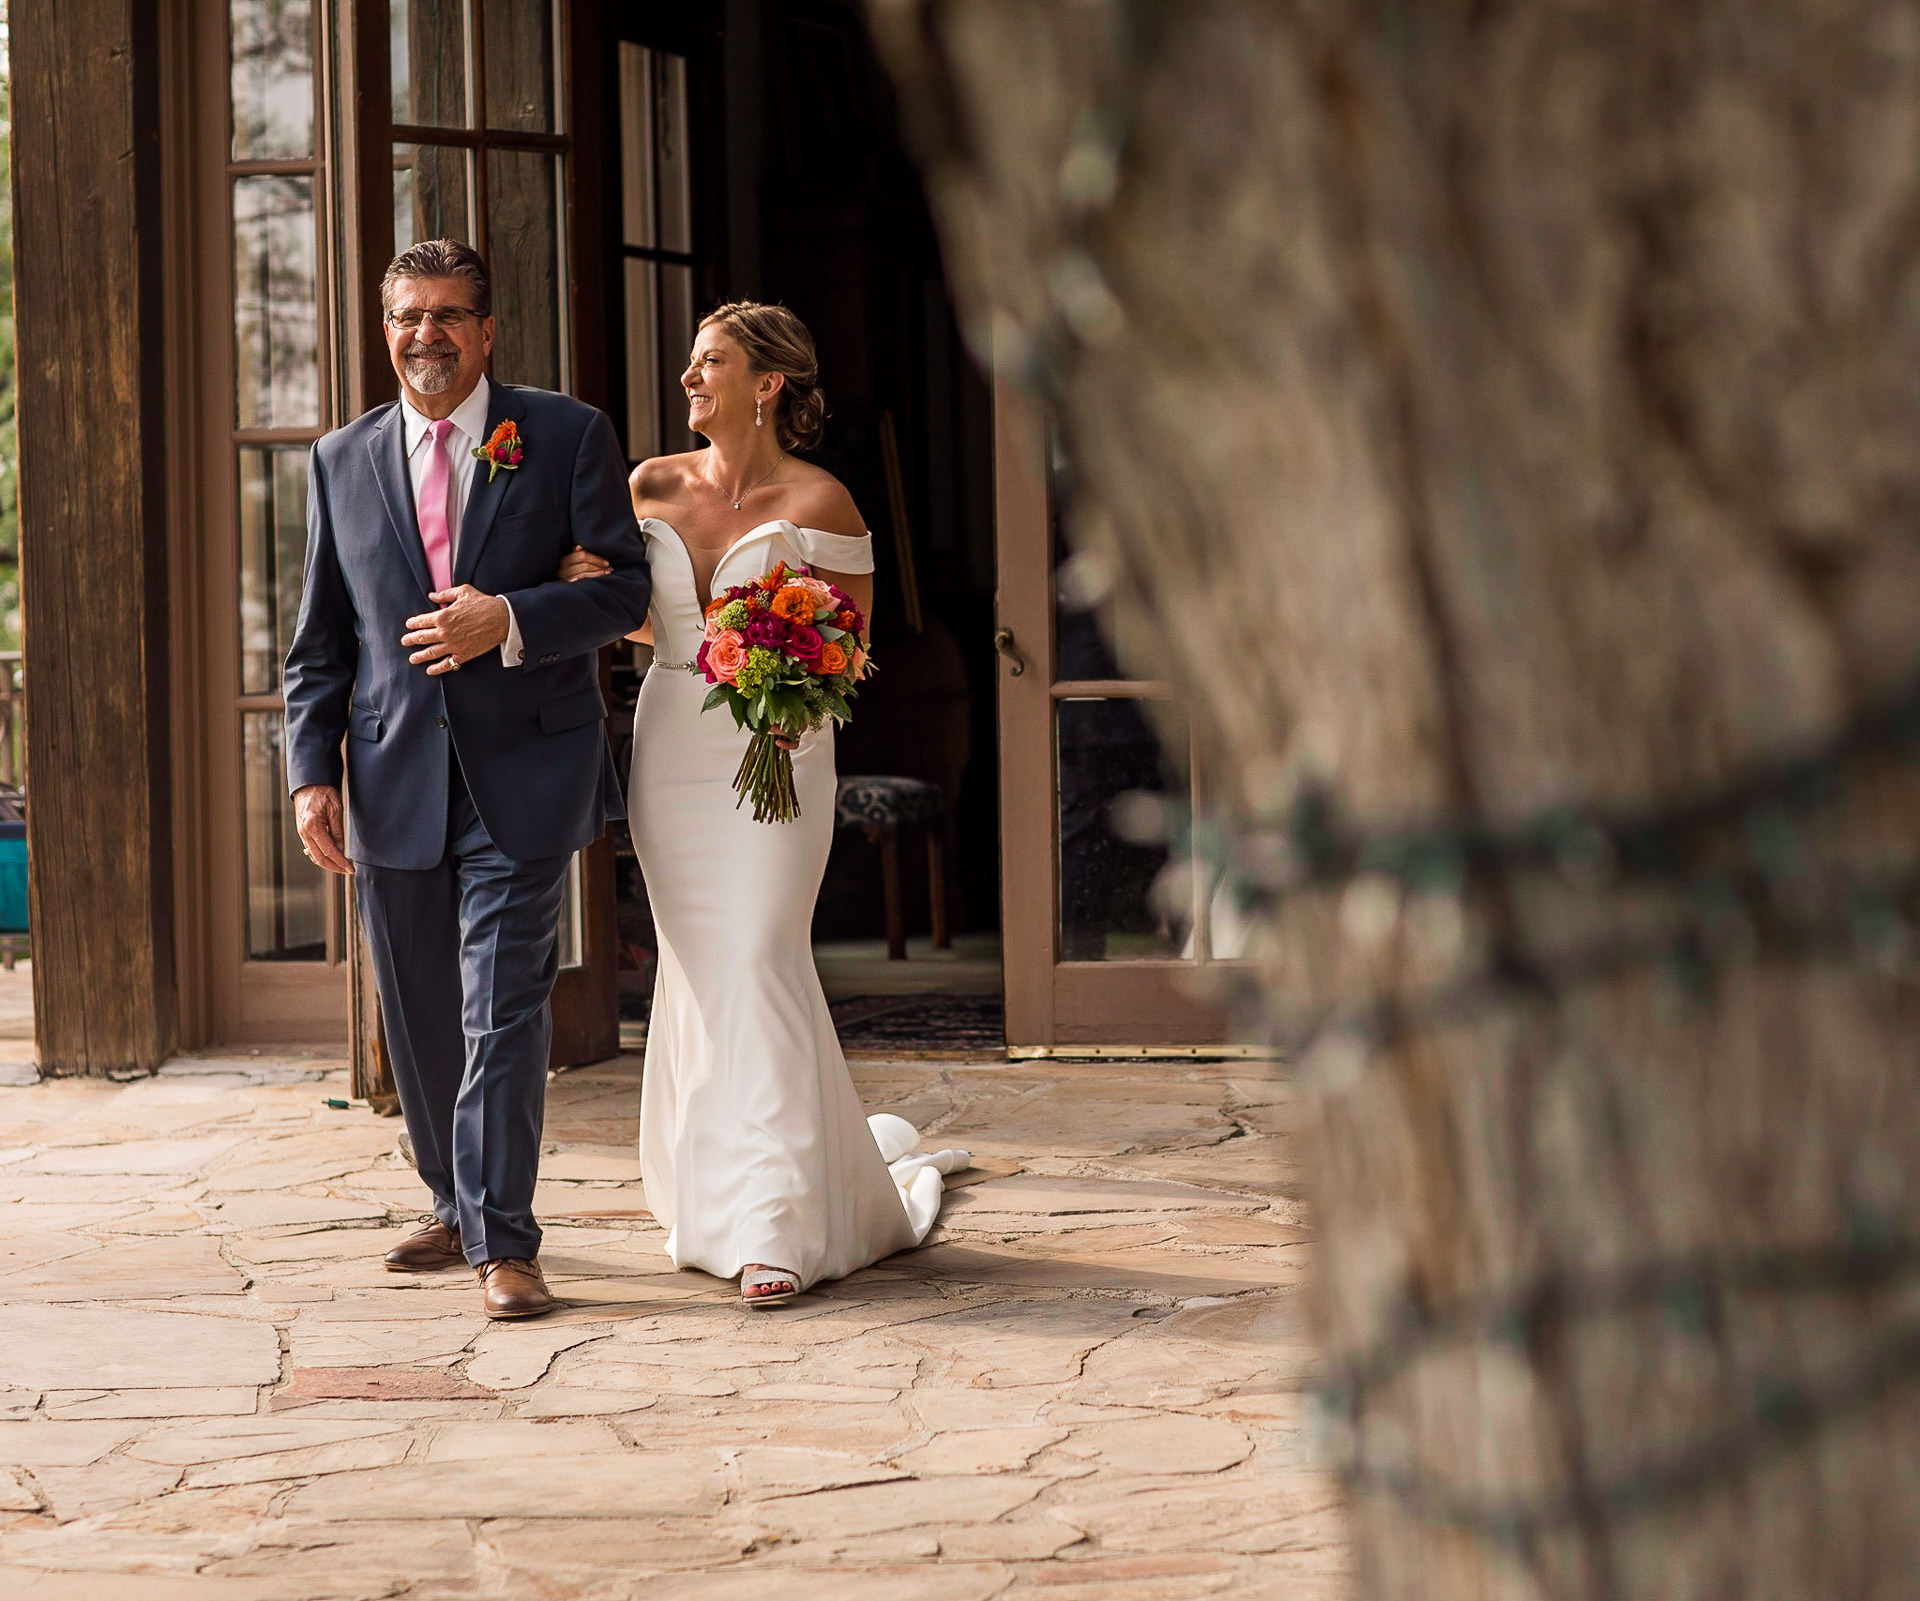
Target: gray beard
{"x":430,"y":377}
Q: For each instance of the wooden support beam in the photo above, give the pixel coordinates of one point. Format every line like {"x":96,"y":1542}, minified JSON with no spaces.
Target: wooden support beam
{"x":92,"y":530}
{"x":365,"y":175}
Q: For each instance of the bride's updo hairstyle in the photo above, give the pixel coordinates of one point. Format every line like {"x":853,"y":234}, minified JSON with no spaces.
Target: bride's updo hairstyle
{"x":775,"y":340}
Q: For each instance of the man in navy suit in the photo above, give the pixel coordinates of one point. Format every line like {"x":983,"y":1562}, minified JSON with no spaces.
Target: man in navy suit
{"x":437,"y":644}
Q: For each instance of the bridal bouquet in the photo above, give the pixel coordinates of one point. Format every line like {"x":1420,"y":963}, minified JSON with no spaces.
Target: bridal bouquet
{"x":783,"y":654}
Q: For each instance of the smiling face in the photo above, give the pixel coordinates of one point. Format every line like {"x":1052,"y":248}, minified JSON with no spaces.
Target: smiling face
{"x":722,"y":386}
{"x":438,"y":365}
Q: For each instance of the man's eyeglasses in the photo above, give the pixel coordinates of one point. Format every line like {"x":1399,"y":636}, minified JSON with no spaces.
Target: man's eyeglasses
{"x":447,"y":317}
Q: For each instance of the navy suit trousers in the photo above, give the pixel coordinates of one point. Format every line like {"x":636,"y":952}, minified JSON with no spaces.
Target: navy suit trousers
{"x":464,"y":955}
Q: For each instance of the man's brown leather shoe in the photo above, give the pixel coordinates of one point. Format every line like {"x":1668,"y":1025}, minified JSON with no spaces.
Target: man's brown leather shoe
{"x":434,"y":1247}
{"x":512,"y":1286}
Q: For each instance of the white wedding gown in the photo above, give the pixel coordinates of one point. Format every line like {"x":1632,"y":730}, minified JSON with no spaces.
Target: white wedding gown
{"x":753,"y":1147}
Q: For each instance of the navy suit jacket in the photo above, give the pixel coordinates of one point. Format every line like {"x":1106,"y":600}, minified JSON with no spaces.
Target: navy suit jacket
{"x":531,"y":739}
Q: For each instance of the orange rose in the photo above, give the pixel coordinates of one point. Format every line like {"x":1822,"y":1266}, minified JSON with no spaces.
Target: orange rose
{"x":726,"y":655}
{"x":833,"y":659}
{"x":794,"y":604}
{"x":845,"y":621}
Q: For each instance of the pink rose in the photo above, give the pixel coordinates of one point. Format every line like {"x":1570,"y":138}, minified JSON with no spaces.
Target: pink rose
{"x":804,"y":644}
{"x":822,"y":593}
{"x":726,"y":655}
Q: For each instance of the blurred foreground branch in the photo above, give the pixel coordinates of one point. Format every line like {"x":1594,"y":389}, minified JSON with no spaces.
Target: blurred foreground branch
{"x":1500,"y":413}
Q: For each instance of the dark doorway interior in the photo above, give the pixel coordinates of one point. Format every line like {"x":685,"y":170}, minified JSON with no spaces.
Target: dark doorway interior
{"x":799,"y":192}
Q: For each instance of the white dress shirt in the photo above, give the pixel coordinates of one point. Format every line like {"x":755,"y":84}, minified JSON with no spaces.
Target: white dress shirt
{"x":469,"y":433}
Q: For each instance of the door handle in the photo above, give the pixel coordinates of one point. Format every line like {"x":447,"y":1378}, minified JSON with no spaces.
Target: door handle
{"x":1003,"y":643}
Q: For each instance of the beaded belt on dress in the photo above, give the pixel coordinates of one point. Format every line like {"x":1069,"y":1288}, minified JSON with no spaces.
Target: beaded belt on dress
{"x":677,"y":667}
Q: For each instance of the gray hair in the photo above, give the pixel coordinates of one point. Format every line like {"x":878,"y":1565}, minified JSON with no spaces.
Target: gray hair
{"x":440,"y":258}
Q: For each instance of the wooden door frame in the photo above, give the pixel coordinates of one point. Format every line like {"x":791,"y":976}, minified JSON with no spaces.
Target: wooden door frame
{"x":182,"y":175}
{"x":1028,"y":800}
{"x":1051,"y":1003}
{"x":363,"y":145}
{"x":586,"y":999}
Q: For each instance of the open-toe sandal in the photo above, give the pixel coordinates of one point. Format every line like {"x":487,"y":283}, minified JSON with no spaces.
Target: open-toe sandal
{"x":759,"y":1278}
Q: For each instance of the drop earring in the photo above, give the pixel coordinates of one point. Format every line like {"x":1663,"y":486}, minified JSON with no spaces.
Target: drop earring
{"x":757,"y":418}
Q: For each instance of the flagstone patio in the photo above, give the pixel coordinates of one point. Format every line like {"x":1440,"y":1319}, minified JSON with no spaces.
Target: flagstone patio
{"x":1086,"y":1388}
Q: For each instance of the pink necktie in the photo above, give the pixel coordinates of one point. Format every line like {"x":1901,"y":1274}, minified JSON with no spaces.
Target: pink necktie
{"x":433,"y":508}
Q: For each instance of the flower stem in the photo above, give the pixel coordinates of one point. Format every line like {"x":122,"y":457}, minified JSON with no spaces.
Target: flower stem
{"x":765,"y":775}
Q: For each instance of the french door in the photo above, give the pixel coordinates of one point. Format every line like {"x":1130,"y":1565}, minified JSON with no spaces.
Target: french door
{"x":325,"y":135}
{"x":1107,"y":938}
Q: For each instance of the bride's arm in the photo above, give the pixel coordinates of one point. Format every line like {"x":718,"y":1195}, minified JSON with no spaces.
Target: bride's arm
{"x":860,"y":587}
{"x":822,"y":506}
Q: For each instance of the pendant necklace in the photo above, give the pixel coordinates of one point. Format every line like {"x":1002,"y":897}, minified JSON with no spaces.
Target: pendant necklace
{"x":756,"y":483}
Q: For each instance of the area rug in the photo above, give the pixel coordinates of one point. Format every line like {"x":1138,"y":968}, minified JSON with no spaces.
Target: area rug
{"x":876,"y":1025}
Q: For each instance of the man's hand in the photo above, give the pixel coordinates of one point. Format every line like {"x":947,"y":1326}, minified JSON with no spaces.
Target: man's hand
{"x":318,"y":815}
{"x":468,"y":624}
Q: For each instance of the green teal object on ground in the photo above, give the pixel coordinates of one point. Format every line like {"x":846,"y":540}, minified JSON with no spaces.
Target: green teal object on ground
{"x":13,"y":878}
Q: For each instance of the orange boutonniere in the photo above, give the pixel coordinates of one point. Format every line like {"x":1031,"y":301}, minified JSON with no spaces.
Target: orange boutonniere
{"x":502,"y":450}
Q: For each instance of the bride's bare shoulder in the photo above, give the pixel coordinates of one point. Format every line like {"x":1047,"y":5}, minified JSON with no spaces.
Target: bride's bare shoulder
{"x":660,"y":483}
{"x":817,"y":499}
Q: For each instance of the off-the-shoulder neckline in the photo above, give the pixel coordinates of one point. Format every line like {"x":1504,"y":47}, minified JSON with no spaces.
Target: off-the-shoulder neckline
{"x":758,"y":528}
{"x":761,"y":528}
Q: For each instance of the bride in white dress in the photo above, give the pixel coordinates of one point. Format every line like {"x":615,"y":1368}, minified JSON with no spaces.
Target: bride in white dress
{"x":754,"y":1151}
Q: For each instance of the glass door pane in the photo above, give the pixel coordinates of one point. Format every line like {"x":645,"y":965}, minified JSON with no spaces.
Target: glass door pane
{"x":275,"y":309}
{"x":573,"y":918}
{"x":673,"y":165}
{"x":271,"y":56}
{"x":432,"y":194}
{"x":523,"y":254}
{"x":656,"y":204}
{"x":427,"y":40}
{"x":637,"y":221}
{"x":519,"y":65}
{"x":643,"y":358}
{"x":286,"y":893}
{"x":1111,"y":899}
{"x":676,"y":344}
{"x":273,"y":542}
